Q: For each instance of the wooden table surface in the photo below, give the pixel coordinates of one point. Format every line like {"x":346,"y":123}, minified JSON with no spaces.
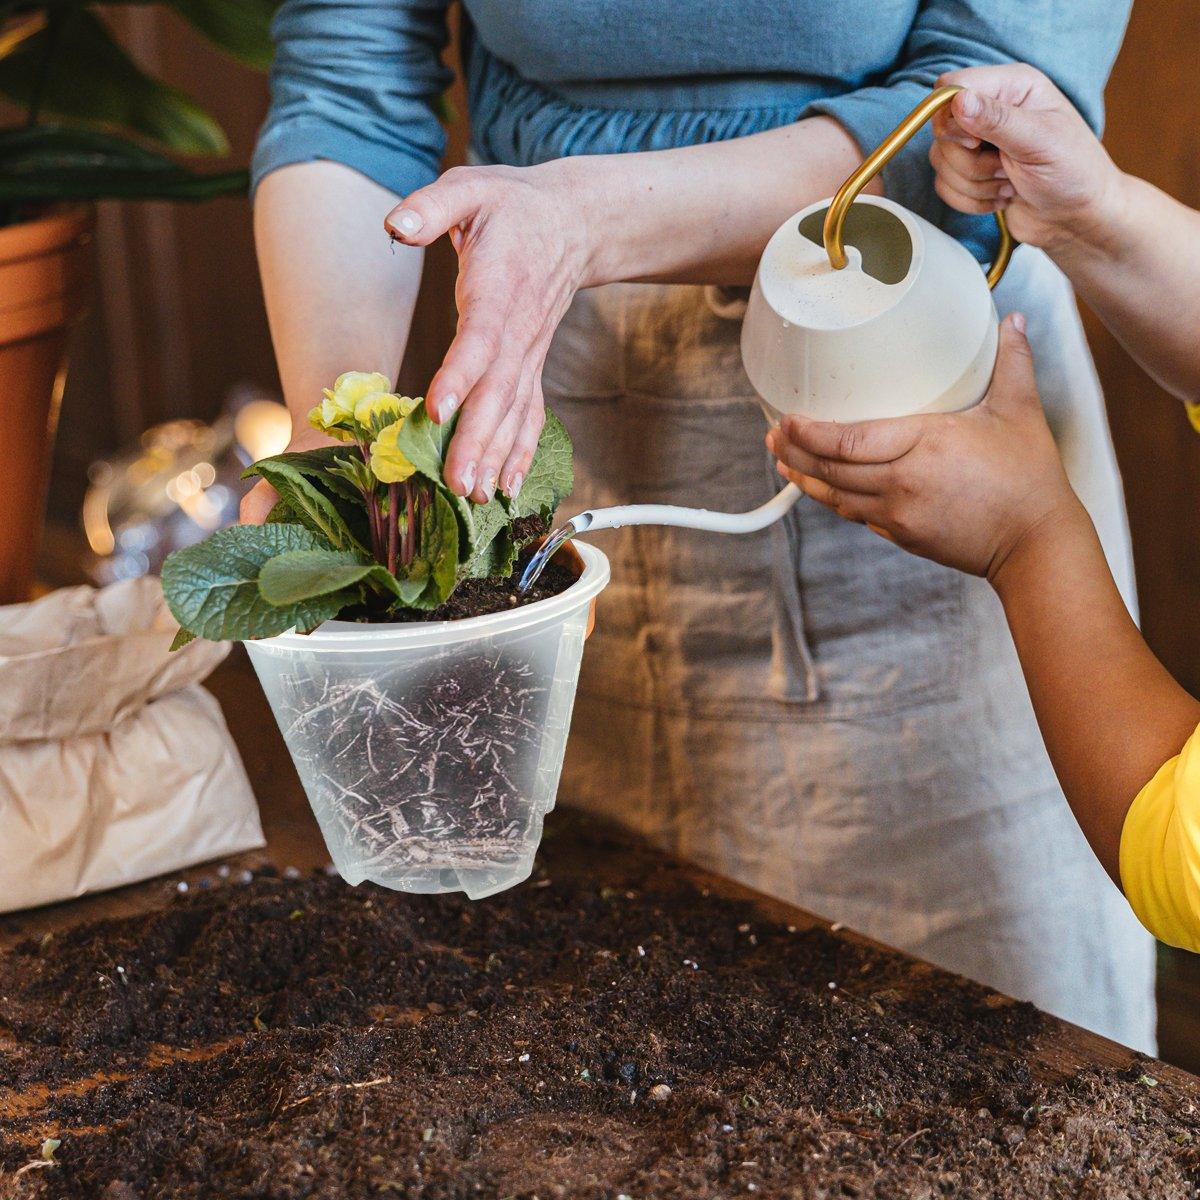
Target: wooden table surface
{"x":293,"y":839}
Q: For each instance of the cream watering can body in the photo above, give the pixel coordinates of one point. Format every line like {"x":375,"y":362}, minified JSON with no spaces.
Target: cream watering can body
{"x":863,"y":309}
{"x":860,"y":309}
{"x":907,"y":326}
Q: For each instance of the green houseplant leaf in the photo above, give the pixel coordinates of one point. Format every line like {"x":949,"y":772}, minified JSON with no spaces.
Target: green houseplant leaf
{"x":241,"y":28}
{"x":212,"y":588}
{"x":76,"y":71}
{"x":423,"y":442}
{"x":299,"y":575}
{"x":439,"y":551}
{"x":47,"y":162}
{"x":551,"y":475}
{"x":306,"y":500}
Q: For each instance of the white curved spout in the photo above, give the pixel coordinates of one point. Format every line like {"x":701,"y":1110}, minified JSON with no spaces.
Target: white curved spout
{"x":660,"y":514}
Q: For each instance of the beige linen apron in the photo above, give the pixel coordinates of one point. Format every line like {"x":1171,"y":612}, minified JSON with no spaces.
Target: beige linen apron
{"x":810,"y":709}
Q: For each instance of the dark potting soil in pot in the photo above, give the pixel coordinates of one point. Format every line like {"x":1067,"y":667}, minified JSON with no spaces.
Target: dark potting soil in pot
{"x":483,"y":597}
{"x":609,"y":1029}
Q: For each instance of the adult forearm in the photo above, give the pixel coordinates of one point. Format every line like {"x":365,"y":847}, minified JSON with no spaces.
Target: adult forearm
{"x":702,"y":214}
{"x":1140,"y":272}
{"x":338,"y":296}
{"x":1109,"y":712}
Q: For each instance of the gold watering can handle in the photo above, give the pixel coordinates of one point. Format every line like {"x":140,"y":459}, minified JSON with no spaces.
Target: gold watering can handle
{"x":835,"y":217}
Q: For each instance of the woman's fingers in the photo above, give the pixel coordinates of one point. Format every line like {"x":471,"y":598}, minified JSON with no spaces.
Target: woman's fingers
{"x":257,"y":503}
{"x":512,"y":474}
{"x":484,"y":410}
{"x":977,"y":165}
{"x":483,"y":309}
{"x":429,"y":212}
{"x":863,"y":510}
{"x":856,"y":441}
{"x":503,"y":439}
{"x":865,"y":478}
{"x":979,"y":176}
{"x":965,"y":203}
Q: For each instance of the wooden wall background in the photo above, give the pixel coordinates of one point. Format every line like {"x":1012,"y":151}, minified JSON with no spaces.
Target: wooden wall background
{"x":179,"y":322}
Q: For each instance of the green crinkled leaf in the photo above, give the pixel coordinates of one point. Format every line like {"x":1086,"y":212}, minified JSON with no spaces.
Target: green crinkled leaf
{"x":497,"y":559}
{"x":300,"y":575}
{"x":439,"y":551}
{"x":83,"y":75}
{"x":318,"y":465}
{"x":551,"y":475}
{"x":181,"y":639}
{"x":423,"y":442}
{"x":53,"y":162}
{"x":488,"y":522}
{"x":212,"y":587}
{"x":311,"y":506}
{"x":304,"y":574}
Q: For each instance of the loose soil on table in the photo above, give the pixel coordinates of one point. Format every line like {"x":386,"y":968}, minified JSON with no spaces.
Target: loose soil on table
{"x":608,"y":1029}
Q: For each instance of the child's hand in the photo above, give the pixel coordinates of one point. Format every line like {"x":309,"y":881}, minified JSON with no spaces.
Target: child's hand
{"x":1012,"y":140}
{"x":963,"y":489}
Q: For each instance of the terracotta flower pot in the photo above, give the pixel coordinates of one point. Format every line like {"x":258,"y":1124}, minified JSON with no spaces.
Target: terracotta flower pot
{"x":44,"y":272}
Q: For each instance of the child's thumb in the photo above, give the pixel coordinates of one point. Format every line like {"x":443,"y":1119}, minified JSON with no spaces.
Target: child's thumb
{"x":1012,"y":130}
{"x":1013,"y":381}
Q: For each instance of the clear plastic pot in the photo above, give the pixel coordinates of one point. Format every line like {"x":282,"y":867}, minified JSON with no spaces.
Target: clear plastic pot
{"x":431,"y":753}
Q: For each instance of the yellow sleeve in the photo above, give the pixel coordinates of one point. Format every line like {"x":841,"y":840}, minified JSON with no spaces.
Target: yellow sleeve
{"x":1160,"y":851}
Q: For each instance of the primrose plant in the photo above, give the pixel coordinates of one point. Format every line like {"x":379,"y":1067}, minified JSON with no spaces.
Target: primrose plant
{"x":364,"y":529}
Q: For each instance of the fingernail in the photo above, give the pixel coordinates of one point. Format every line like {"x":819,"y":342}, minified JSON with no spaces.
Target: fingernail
{"x":489,"y":485}
{"x":449,"y":406}
{"x":1018,"y":320}
{"x":969,"y":104}
{"x":467,"y":475}
{"x":1001,"y":173}
{"x":407,"y":222}
{"x":514,"y":487}
{"x":1006,"y":190}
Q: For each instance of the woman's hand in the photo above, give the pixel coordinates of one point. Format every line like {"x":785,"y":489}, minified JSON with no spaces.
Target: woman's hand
{"x":1012,"y":140}
{"x":964,"y":489}
{"x":522,"y":240}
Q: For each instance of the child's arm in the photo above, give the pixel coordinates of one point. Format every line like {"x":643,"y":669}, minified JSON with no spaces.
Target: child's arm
{"x":984,"y":491}
{"x":1013,"y":141}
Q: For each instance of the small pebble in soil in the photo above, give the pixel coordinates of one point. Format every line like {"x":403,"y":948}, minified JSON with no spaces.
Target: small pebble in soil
{"x":223,"y":871}
{"x":291,"y":873}
{"x":660,"y":1092}
{"x":181,"y":887}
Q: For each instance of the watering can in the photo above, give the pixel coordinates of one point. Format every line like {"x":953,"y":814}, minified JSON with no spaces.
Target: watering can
{"x":860,"y":309}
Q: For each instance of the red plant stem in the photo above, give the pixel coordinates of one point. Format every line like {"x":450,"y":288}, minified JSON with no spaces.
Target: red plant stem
{"x":410,"y":551}
{"x":374,"y":517}
{"x":393,"y":526}
{"x":373,"y":520}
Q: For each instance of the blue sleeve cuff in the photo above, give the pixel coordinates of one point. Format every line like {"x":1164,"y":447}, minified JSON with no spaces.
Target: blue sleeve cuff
{"x":869,"y":115}
{"x":311,"y":138}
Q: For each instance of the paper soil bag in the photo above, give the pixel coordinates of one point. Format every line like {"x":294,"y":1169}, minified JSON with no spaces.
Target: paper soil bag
{"x":115,"y":764}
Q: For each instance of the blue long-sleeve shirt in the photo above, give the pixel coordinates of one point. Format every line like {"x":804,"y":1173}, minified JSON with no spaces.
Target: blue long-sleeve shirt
{"x":356,"y":81}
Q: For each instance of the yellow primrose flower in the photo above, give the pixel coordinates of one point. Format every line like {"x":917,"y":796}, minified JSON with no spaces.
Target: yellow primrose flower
{"x":382,"y":408}
{"x":388,"y":461}
{"x":336,"y":410}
